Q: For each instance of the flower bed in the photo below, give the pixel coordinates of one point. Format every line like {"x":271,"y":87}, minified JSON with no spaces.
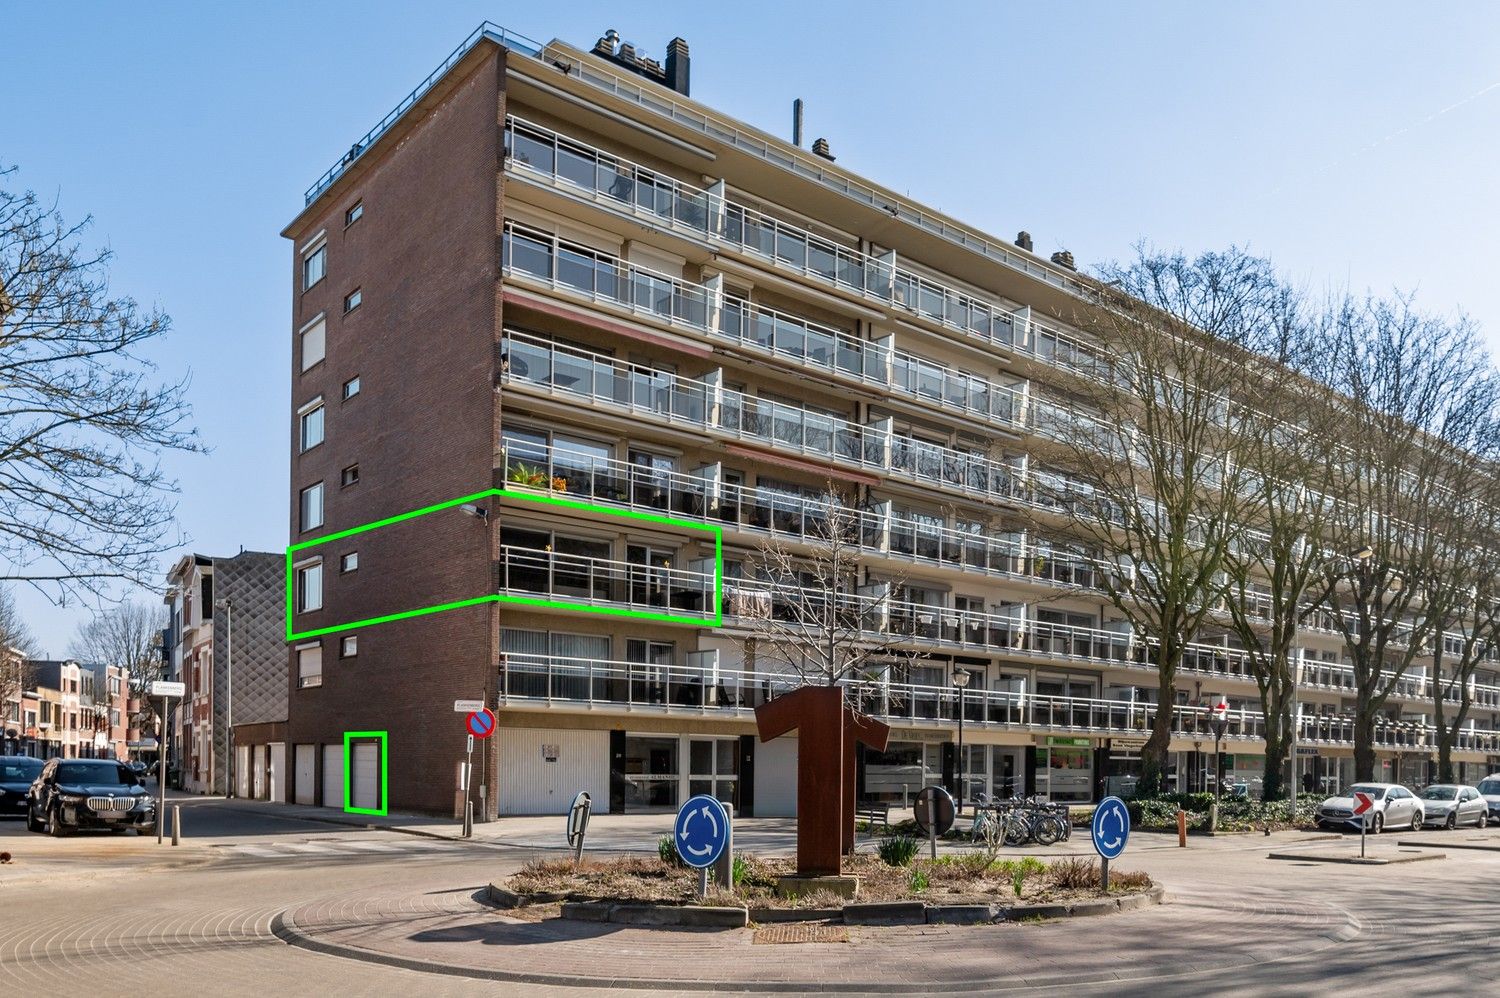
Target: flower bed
{"x":949,"y":880}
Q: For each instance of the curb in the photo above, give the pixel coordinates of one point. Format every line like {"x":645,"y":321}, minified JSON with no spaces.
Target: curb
{"x":871,"y":913}
{"x":1355,"y":860}
{"x":1451,"y":845}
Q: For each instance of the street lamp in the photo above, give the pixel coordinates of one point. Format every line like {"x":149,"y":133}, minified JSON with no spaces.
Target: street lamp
{"x":960,"y":681}
{"x":228,"y":607}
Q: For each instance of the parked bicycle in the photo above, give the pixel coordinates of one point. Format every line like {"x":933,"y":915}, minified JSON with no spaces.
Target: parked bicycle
{"x":1020,"y":820}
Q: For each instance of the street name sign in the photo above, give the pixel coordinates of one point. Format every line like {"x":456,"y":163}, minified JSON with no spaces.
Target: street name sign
{"x":165,"y":689}
{"x":701,"y":831}
{"x":467,"y":706}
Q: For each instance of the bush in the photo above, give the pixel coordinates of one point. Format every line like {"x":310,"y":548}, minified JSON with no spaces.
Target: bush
{"x":667,"y":850}
{"x":918,"y":880}
{"x":897,"y":850}
{"x":1073,"y":874}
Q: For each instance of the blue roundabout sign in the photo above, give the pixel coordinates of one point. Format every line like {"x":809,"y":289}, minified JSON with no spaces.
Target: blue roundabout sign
{"x":1111,"y":827}
{"x":701,"y":831}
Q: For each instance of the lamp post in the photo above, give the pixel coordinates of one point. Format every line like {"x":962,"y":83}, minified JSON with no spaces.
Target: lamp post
{"x":228,"y":607}
{"x":960,"y":681}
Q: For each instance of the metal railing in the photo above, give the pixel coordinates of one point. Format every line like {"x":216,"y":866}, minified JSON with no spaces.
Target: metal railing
{"x":494,"y":32}
{"x":581,"y":580}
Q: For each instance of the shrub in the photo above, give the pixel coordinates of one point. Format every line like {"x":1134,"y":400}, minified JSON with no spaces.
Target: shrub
{"x":918,"y":880}
{"x":1073,"y":874}
{"x":897,"y":850}
{"x":667,"y":850}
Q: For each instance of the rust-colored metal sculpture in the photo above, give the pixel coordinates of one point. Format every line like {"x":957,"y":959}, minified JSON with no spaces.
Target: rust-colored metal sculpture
{"x":827,"y":731}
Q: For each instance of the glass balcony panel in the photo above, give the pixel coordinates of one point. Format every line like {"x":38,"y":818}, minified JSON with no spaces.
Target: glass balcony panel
{"x":536,"y":152}
{"x":616,"y":182}
{"x":576,"y":166}
{"x":821,"y":260}
{"x":791,"y":249}
{"x":528,"y":255}
{"x":576,"y":270}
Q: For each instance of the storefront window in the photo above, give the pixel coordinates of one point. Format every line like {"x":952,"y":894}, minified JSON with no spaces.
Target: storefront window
{"x":712,"y":768}
{"x":651,"y":772}
{"x":1066,"y":772}
{"x":898,"y":774}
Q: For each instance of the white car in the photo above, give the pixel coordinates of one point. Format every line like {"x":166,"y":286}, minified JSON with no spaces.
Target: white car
{"x":1394,"y":807}
{"x":1449,"y":805}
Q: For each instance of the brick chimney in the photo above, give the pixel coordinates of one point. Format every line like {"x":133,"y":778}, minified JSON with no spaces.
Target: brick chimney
{"x":677,"y":65}
{"x":1023,"y":240}
{"x":820,"y":148}
{"x":1064,"y":259}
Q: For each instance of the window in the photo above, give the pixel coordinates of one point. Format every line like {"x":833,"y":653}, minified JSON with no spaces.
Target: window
{"x":352,"y":300}
{"x":349,"y":646}
{"x":310,"y":587}
{"x":312,"y":507}
{"x":313,"y":338}
{"x":349,"y":563}
{"x":349,"y":476}
{"x":355,"y":213}
{"x":311,"y":423}
{"x":310,"y":665}
{"x":351,"y":388}
{"x":314,"y":266}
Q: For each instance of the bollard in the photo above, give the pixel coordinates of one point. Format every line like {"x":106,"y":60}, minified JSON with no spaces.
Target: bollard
{"x":176,"y":824}
{"x":724,"y":867}
{"x":468,"y":819}
{"x":1181,"y":828}
{"x":484,"y":807}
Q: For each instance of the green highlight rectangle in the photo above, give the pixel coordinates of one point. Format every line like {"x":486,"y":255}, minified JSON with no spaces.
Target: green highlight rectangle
{"x":717,"y":531}
{"x":385,"y":797}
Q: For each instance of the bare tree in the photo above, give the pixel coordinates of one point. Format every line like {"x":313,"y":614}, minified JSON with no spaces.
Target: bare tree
{"x":16,"y":677}
{"x":1285,"y":426}
{"x":83,"y":419}
{"x":1420,"y":403}
{"x":1148,"y":484}
{"x":813,"y":619}
{"x":125,"y":635}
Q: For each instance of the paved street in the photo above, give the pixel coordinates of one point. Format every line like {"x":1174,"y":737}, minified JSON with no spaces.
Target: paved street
{"x":151,"y":917}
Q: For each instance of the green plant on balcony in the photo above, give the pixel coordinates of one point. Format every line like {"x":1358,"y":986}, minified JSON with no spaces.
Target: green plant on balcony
{"x":525,"y":474}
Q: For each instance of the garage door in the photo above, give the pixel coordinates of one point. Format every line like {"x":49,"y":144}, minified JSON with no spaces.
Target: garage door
{"x":306,"y":776}
{"x":259,"y":754}
{"x":366,"y":776}
{"x":242,"y":771}
{"x":333,"y":776}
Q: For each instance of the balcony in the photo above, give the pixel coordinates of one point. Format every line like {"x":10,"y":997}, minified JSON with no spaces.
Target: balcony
{"x":607,"y":586}
{"x":673,"y":399}
{"x":706,"y":214}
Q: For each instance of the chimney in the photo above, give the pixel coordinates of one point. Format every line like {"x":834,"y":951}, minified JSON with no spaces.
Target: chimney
{"x":677,"y":65}
{"x":797,"y":122}
{"x":1023,"y":240}
{"x":606,"y":46}
{"x":627,"y":53}
{"x":820,"y":148}
{"x":1064,"y":259}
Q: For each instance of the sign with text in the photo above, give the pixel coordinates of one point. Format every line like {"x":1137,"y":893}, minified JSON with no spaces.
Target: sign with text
{"x":467,"y":706}
{"x":165,"y":689}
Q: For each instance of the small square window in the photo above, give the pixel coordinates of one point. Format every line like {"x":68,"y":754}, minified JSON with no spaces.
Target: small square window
{"x":349,"y":646}
{"x":349,"y":562}
{"x":351,"y":388}
{"x":349,"y":476}
{"x":352,"y":300}
{"x":355,"y":213}
{"x":314,"y":266}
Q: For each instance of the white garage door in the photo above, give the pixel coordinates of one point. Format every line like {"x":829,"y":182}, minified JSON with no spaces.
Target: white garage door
{"x":333,"y":776}
{"x":242,"y":770}
{"x":542,"y":768}
{"x":307,"y":762}
{"x":365,"y":782}
{"x":278,"y":772}
{"x":259,"y":754}
{"x":776,"y":778}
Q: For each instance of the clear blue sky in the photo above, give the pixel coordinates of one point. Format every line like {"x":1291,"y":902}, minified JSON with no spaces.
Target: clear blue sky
{"x":1354,"y":143}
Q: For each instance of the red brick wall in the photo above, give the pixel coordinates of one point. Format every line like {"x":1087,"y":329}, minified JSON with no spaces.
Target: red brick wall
{"x":424,"y":255}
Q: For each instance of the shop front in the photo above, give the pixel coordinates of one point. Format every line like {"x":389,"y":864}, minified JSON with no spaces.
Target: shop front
{"x":1065,"y":770}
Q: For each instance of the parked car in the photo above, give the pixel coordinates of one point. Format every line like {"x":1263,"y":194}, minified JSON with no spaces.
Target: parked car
{"x":1450,"y":804}
{"x":1394,"y":807}
{"x":139,"y":768}
{"x":16,"y":774}
{"x":1489,"y":789}
{"x":87,"y":793}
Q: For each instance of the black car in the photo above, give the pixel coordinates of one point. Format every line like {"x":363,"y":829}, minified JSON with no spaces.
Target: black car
{"x":16,"y":774}
{"x":88,"y":793}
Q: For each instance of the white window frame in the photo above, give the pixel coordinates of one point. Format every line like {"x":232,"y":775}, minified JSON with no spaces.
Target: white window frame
{"x":319,"y":325}
{"x":348,"y":562}
{"x":315,"y":406}
{"x":302,"y":677}
{"x":304,"y":521}
{"x":318,"y":245}
{"x":346,"y":392}
{"x":302,"y":569}
{"x":349,"y":646}
{"x":354,"y":300}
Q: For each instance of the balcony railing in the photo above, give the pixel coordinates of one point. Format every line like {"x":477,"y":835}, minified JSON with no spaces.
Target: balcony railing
{"x":581,"y":373}
{"x":584,"y":581}
{"x":674,"y":204}
{"x":709,"y":689}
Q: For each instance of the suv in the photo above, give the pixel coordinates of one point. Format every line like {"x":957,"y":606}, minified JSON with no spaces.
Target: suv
{"x":16,"y":774}
{"x":88,"y":793}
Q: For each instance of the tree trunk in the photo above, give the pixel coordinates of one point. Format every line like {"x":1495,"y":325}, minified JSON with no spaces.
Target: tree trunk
{"x":1154,"y":753}
{"x":1446,"y":737}
{"x":1273,"y":780}
{"x":1364,"y":746}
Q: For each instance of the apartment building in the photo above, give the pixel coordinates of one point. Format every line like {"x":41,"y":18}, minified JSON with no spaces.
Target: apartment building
{"x":550,"y":272}
{"x":224,"y":643}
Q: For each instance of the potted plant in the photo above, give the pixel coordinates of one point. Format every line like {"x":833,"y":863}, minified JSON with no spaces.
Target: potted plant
{"x":524,"y":474}
{"x":559,"y":483}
